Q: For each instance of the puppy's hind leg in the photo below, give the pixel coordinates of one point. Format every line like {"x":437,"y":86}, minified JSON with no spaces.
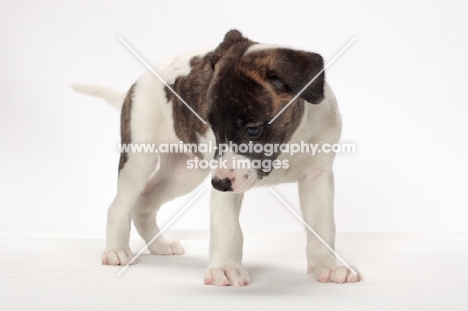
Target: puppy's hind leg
{"x":144,"y":219}
{"x":172,"y":180}
{"x":132,"y":180}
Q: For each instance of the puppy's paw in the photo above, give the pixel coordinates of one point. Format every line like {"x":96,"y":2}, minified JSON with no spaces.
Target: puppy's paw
{"x":164,"y":246}
{"x":336,"y":274}
{"x":225,"y":276}
{"x":116,"y":257}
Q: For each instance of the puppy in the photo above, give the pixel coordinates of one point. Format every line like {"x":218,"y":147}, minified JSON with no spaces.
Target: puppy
{"x":238,"y":88}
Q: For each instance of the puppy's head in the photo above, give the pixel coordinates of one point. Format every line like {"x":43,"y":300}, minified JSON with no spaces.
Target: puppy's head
{"x":250,"y":85}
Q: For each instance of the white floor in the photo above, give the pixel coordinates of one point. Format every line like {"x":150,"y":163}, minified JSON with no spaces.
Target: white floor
{"x":403,"y":271}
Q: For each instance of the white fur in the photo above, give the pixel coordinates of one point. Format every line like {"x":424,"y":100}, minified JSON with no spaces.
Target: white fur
{"x":142,"y":189}
{"x":260,"y":47}
{"x":244,"y":177}
{"x":113,"y":97}
{"x":226,"y":241}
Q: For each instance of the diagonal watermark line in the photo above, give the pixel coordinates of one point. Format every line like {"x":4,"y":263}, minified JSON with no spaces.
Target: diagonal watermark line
{"x":161,"y":79}
{"x":162,"y":230}
{"x":313,"y":231}
{"x":313,"y":79}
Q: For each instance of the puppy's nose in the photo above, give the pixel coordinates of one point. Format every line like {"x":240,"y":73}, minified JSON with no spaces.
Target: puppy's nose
{"x":222,"y":184}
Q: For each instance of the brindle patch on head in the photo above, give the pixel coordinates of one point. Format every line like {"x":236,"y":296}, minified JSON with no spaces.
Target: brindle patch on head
{"x":231,"y":39}
{"x":193,"y":89}
{"x":250,"y":88}
{"x":233,"y":88}
{"x":242,"y":94}
{"x":288,"y":71}
{"x":125,"y":123}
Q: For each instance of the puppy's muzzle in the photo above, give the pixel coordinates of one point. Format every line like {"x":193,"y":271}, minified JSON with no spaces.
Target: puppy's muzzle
{"x":222,"y":185}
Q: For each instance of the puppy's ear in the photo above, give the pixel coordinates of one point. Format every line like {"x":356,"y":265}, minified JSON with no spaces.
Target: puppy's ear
{"x":230,"y":38}
{"x":292,"y":70}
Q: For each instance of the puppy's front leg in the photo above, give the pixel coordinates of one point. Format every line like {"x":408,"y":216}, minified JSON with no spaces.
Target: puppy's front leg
{"x":316,"y":196}
{"x":226,"y":241}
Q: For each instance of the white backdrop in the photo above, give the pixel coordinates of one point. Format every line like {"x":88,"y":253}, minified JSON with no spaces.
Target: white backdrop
{"x":400,"y":86}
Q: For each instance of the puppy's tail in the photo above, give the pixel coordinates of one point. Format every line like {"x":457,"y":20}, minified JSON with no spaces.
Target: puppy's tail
{"x":113,"y":97}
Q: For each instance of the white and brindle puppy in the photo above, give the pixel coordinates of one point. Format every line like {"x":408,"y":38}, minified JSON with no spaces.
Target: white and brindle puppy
{"x":237,"y":88}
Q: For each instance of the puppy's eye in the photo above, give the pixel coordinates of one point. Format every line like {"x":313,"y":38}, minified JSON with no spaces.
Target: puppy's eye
{"x":252,"y":131}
